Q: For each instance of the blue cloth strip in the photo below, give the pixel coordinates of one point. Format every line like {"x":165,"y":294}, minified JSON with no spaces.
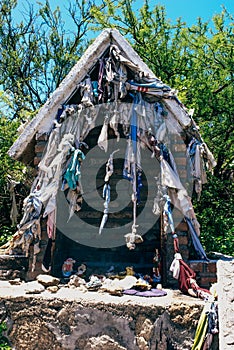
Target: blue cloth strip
{"x":196,"y":241}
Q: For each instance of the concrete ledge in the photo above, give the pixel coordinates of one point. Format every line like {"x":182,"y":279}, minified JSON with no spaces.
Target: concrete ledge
{"x":71,"y":319}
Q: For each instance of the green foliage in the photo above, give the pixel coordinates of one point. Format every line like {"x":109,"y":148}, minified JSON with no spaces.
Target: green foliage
{"x":4,"y":344}
{"x":8,"y":134}
{"x":216,"y":216}
{"x":6,"y":233}
{"x":37,"y":52}
{"x":8,"y":167}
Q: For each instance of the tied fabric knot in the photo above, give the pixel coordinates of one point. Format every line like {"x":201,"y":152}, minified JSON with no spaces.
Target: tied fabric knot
{"x":175,"y":265}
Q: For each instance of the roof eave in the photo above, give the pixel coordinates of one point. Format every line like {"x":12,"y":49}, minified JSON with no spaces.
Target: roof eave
{"x":48,"y":111}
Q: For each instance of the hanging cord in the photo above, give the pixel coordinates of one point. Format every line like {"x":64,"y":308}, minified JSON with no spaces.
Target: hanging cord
{"x":134,"y":188}
{"x":107,"y":189}
{"x":132,"y":238}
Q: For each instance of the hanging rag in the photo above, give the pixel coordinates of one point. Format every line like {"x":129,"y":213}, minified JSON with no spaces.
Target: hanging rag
{"x":103,"y":137}
{"x":151,"y":86}
{"x":134,"y":126}
{"x":51,"y":204}
{"x":212,"y":328}
{"x":186,"y":276}
{"x":196,"y":242}
{"x":169,"y":176}
{"x":73,"y":173}
{"x":200,"y":331}
{"x":133,"y":151}
{"x":95,"y":90}
{"x":210,"y":161}
{"x":127,"y":171}
{"x":46,"y":263}
{"x":75,"y":200}
{"x":51,"y":224}
{"x":28,"y":228}
{"x":110,"y":69}
{"x":133,"y":238}
{"x":116,"y":54}
{"x":168,"y":220}
{"x":36,"y":232}
{"x":14,"y":211}
{"x":168,"y":212}
{"x":106,"y":196}
{"x":100,"y":79}
{"x":122,"y":72}
{"x":86,"y":91}
{"x":114,"y":121}
{"x":125,"y":115}
{"x":175,"y":266}
{"x":107,"y":189}
{"x":195,"y":154}
{"x":131,"y":172}
{"x":188,"y":284}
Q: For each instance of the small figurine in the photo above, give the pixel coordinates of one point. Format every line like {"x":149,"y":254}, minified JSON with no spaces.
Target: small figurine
{"x":81,"y":270}
{"x":67,"y":267}
{"x":156,"y":268}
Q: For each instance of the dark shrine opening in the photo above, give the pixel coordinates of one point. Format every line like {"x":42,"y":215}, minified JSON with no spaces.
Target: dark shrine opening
{"x":79,"y":237}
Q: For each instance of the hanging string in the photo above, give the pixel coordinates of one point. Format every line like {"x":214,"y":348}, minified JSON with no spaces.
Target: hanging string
{"x":107,"y":189}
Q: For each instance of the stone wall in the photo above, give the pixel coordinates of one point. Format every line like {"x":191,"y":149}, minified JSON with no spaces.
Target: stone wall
{"x":225,"y":274}
{"x":100,"y":322}
{"x":206,"y":272}
{"x":12,"y":267}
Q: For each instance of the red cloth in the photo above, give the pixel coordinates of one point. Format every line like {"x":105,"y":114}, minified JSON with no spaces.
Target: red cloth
{"x":176,"y":245}
{"x":187,"y":281}
{"x":184,"y":277}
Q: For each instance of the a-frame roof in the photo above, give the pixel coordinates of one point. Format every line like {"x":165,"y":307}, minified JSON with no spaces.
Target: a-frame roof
{"x":43,"y":120}
{"x":42,"y":123}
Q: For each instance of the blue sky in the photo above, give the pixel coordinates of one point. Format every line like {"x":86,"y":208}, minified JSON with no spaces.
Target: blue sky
{"x":189,"y":11}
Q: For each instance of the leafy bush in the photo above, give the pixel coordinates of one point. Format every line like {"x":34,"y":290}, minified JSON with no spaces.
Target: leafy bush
{"x":216,"y":217}
{"x":4,"y":343}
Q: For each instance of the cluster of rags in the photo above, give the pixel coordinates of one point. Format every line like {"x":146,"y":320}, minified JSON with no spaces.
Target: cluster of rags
{"x":133,"y":104}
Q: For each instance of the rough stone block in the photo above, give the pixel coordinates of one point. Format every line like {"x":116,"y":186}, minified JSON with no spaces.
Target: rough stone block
{"x":206,"y":282}
{"x":183,"y":240}
{"x":196,"y":266}
{"x":211,"y":267}
{"x":181,"y":161}
{"x":182,"y":226}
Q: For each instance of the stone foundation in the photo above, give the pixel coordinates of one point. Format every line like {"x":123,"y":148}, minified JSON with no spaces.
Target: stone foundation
{"x":78,"y":321}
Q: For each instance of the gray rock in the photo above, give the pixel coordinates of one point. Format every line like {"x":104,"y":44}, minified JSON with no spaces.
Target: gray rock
{"x":53,"y":289}
{"x":76,"y":281}
{"x":47,"y":280}
{"x":15,"y":282}
{"x":103,"y":342}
